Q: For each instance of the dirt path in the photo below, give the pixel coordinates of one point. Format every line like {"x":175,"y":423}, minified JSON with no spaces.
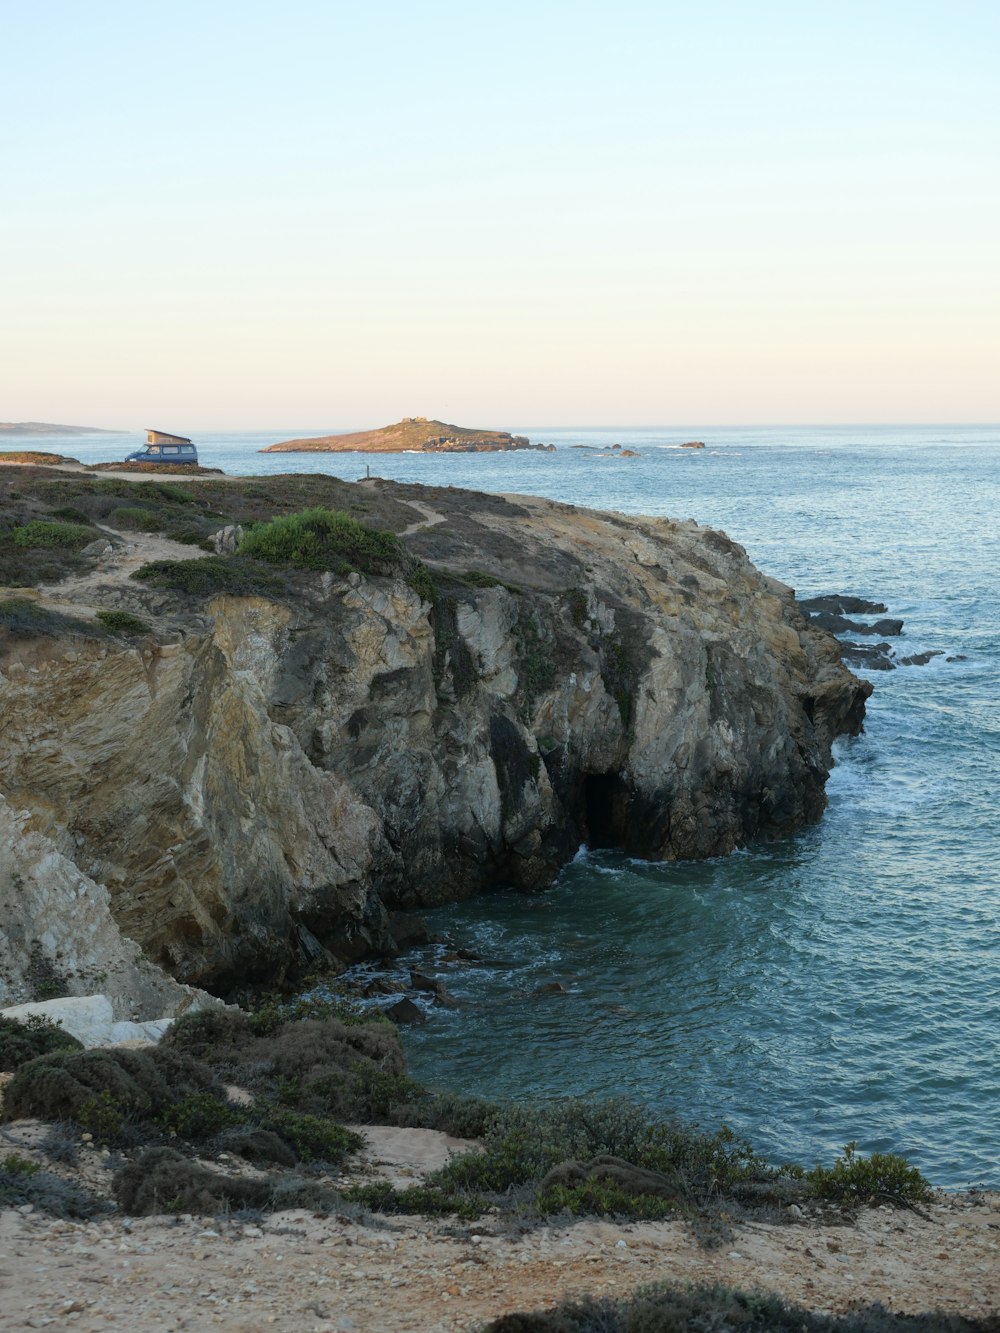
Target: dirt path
{"x":430,"y":520}
{"x":297,"y":1272}
{"x":80,"y":593}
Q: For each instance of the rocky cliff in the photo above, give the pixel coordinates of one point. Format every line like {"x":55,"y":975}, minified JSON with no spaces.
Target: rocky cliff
{"x":261,"y":779}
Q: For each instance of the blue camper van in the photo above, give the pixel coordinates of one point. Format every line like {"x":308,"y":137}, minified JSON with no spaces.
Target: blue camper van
{"x":164,"y":448}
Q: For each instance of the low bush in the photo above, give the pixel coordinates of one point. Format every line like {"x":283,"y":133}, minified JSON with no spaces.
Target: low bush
{"x":882,"y":1177}
{"x":199,"y":1115}
{"x":422,"y":581}
{"x":260,"y":1146}
{"x":121,"y":622}
{"x":22,"y":1184}
{"x":164,"y":1181}
{"x":135,"y":519}
{"x":381,"y":1197}
{"x":207,"y":575}
{"x":35,"y":1036}
{"x":26,"y":619}
{"x":665,"y":1308}
{"x":106,"y":1091}
{"x":312,"y":1138}
{"x":322,"y":539}
{"x":322,"y":1067}
{"x":71,"y":515}
{"x":51,"y":532}
{"x":678,"y":1165}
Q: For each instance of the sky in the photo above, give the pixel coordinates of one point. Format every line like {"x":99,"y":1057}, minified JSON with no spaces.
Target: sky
{"x":327,"y":215}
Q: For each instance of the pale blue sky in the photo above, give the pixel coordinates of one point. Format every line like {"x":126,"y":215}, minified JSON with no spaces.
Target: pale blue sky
{"x":321,"y":215}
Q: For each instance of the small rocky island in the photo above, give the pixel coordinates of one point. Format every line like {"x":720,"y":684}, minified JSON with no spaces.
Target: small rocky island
{"x":412,"y":434}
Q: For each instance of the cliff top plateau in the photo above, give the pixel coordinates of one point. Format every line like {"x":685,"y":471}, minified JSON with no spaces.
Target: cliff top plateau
{"x":411,"y":434}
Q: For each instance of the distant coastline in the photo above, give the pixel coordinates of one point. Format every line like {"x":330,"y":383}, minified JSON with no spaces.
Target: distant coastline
{"x":18,"y":429}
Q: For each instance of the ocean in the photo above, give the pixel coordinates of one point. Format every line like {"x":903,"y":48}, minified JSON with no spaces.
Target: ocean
{"x":843,"y":984}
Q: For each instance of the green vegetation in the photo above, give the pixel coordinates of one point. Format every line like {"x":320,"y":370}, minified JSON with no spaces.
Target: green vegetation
{"x":23,"y":1184}
{"x":523,"y":1145}
{"x":880,"y":1178}
{"x":311,"y":1064}
{"x":421,"y":580}
{"x":618,"y":678}
{"x":382,"y":1197}
{"x":136,"y":519}
{"x":323,"y":539}
{"x":312,"y":1137}
{"x":26,"y":619}
{"x":35,"y":1036}
{"x":208,"y":575}
{"x":536,"y":670}
{"x":667,"y":1308}
{"x":122,"y":622}
{"x":48,"y":532}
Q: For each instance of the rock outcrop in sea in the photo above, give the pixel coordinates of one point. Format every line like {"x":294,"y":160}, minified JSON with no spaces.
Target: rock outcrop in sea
{"x":248,"y":790}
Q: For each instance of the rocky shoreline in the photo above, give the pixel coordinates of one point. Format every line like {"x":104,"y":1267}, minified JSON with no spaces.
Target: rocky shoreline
{"x":229,"y":768}
{"x":283,"y":757}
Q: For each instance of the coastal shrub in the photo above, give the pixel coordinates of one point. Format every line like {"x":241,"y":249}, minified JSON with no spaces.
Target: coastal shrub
{"x":51,"y":532}
{"x":381,"y":1197}
{"x":105,"y":1091}
{"x":451,"y":1113}
{"x":607,"y":1185}
{"x":260,"y":1146}
{"x":71,"y":515}
{"x":21,"y":1186}
{"x":207,"y":575}
{"x":669,"y":1308}
{"x":18,"y":1165}
{"x":164,"y":1181}
{"x":321,"y":539}
{"x":325,"y":1067}
{"x":312,"y":1137}
{"x":882,"y":1177}
{"x":121,"y":622}
{"x":136,"y":519}
{"x":199,"y":1115}
{"x":274,"y":1011}
{"x":421,"y":580}
{"x":522,"y":1144}
{"x":26,"y":1040}
{"x":25,"y":619}
{"x":159,"y":491}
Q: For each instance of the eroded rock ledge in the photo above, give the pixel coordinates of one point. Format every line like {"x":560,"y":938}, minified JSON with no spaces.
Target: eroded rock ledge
{"x":260,"y":779}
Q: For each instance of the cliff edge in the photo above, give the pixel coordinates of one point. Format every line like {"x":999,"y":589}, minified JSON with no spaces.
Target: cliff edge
{"x":259,"y":779}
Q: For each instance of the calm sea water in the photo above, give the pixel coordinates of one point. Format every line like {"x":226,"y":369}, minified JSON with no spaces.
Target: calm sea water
{"x":843,"y":984}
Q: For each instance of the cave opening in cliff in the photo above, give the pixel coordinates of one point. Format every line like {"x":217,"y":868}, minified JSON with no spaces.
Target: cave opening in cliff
{"x":602,"y":803}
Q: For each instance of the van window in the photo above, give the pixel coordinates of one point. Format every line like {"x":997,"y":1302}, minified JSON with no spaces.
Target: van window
{"x":170,"y":448}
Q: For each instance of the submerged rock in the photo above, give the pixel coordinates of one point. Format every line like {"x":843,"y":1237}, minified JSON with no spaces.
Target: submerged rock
{"x":257,"y":793}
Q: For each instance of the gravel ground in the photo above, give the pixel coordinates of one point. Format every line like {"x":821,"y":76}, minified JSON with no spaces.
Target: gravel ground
{"x":298,"y":1272}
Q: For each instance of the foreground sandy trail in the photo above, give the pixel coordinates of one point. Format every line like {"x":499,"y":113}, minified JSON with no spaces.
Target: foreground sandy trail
{"x":297,"y":1272}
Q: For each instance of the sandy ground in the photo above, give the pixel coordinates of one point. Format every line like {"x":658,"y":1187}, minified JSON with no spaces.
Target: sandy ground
{"x":307,"y":1274}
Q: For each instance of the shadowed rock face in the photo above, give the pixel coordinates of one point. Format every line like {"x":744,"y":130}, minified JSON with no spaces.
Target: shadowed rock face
{"x":256,"y":794}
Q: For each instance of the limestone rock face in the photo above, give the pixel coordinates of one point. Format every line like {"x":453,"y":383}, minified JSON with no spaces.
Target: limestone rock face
{"x":57,"y":933}
{"x":257,"y":792}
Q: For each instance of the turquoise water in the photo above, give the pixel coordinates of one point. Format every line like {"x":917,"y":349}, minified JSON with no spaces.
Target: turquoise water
{"x":843,"y":984}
